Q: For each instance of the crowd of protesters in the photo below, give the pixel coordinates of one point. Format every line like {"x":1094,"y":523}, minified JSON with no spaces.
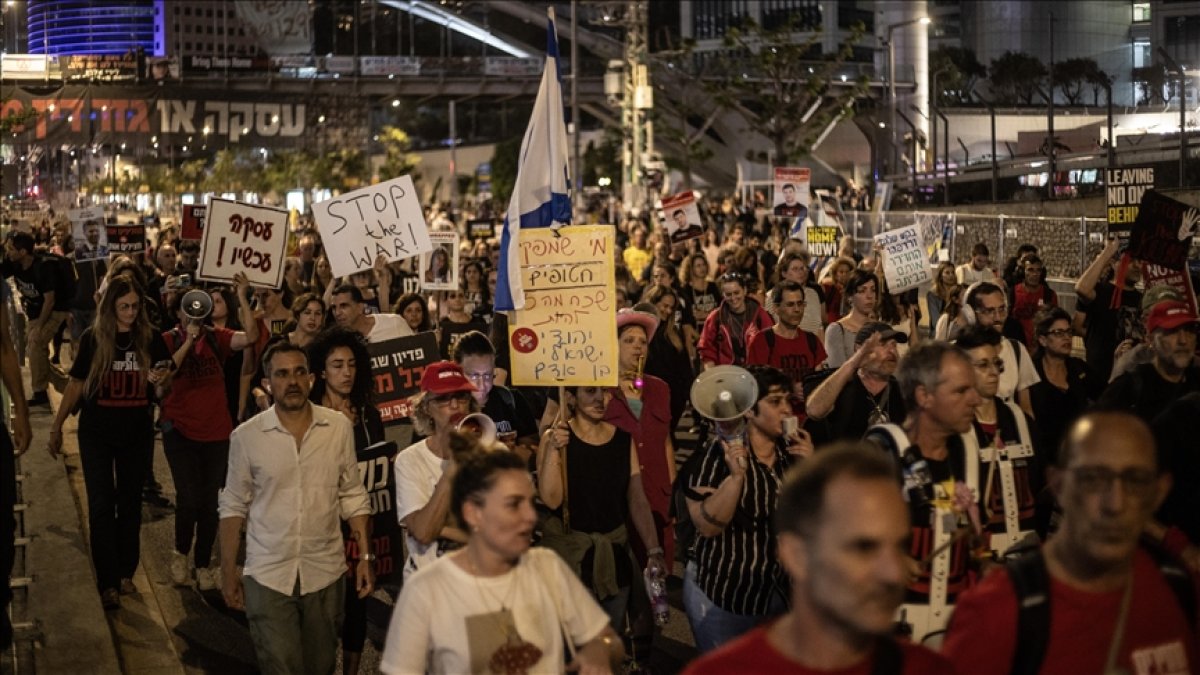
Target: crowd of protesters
{"x":800,"y":545}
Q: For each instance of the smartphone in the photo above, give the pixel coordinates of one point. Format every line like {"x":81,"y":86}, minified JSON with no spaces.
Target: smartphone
{"x":791,"y":425}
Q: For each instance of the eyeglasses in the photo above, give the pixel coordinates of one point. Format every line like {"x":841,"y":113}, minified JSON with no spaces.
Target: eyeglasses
{"x":1094,"y":480}
{"x":122,"y":306}
{"x":793,"y":304}
{"x":460,"y":397}
{"x":481,"y":377}
{"x":1058,"y":333}
{"x":992,"y":311}
{"x":984,"y":364}
{"x":731,"y":276}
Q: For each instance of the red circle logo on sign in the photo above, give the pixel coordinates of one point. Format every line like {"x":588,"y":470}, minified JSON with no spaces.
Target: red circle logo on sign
{"x":524,"y":340}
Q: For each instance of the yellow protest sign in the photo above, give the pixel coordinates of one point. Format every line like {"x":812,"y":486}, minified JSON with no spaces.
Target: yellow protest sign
{"x":567,"y":333}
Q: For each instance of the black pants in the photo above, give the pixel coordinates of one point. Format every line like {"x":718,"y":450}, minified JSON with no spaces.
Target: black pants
{"x":198,"y":469}
{"x":114,"y":469}
{"x":354,"y":625}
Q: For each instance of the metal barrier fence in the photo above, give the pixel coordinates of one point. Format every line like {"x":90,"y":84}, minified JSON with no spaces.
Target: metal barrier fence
{"x":1066,"y":245}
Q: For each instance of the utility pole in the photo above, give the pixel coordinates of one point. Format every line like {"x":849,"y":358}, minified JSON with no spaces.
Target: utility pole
{"x":1181,"y":80}
{"x":1050,"y":121}
{"x":638,"y":99}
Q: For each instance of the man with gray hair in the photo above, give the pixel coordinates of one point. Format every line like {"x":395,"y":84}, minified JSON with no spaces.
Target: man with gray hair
{"x":940,"y":482}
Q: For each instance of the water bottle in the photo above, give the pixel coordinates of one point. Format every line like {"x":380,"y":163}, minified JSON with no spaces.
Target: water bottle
{"x":656,"y":588}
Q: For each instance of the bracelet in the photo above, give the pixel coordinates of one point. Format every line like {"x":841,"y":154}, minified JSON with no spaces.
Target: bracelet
{"x":658,"y":550}
{"x":709,"y":517}
{"x":368,"y":557}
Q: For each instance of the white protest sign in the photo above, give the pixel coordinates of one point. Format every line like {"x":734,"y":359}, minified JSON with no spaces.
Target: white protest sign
{"x":88,"y":232}
{"x":384,"y":219}
{"x":241,"y":237}
{"x":905,"y":263}
{"x":439,"y":267}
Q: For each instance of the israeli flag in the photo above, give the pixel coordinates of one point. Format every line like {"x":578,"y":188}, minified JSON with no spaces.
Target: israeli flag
{"x":539,"y":197}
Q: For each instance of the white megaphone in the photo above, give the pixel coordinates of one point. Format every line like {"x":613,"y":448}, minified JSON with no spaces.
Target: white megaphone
{"x":724,"y":393}
{"x":196,"y":304}
{"x":480,"y":427}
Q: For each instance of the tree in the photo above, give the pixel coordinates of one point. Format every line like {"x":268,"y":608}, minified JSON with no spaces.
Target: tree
{"x":771,"y":81}
{"x":397,"y":160}
{"x":958,"y":70}
{"x":1152,"y":84}
{"x":1015,"y":77}
{"x":603,"y":159}
{"x":1099,"y":80}
{"x":686,"y":110}
{"x":504,"y":169}
{"x":1072,"y":75}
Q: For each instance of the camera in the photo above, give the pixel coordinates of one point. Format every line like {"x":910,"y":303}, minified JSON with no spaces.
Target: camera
{"x":179,"y":282}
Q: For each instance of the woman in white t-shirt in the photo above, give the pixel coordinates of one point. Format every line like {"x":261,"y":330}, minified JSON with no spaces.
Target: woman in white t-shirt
{"x":496,"y":605}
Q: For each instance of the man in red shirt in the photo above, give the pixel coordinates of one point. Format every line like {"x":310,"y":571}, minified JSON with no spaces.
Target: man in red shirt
{"x":843,"y":539}
{"x":1111,"y":609}
{"x":785,"y":345}
{"x":1030,"y":296}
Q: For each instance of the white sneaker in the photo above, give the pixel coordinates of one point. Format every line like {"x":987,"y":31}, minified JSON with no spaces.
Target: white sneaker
{"x":180,"y":568}
{"x":206,"y":579}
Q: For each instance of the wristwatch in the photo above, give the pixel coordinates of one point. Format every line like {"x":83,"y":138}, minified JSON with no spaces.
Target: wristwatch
{"x":369,"y":557}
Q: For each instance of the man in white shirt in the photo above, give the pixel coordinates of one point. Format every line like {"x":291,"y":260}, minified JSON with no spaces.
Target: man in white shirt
{"x":292,"y":476}
{"x":425,"y":470}
{"x":349,"y":312}
{"x":977,"y":268}
{"x":990,"y":307}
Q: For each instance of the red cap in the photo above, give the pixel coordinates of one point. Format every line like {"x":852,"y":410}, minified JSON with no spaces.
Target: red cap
{"x":1169,"y":315}
{"x":444,"y":377}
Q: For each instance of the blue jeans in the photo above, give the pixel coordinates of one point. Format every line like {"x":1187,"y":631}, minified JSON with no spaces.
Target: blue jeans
{"x":295,"y":633}
{"x":713,"y":626}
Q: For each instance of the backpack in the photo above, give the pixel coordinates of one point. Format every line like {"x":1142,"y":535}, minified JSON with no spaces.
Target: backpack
{"x":1031,"y":582}
{"x":66,"y":279}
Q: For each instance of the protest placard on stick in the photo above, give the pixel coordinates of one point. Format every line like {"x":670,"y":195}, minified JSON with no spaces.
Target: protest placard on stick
{"x":397,"y":365}
{"x":384,"y":219}
{"x":193,"y":221}
{"x":88,"y":232}
{"x":127,"y":239}
{"x":905,"y":262}
{"x":567,"y":333}
{"x":241,"y":237}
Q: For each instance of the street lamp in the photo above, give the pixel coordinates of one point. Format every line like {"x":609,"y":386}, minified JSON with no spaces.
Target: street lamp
{"x":891,"y":56}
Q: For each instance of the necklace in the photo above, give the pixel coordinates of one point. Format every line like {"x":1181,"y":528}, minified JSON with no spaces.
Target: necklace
{"x":515,"y":656}
{"x":123,"y":348}
{"x":880,"y":414}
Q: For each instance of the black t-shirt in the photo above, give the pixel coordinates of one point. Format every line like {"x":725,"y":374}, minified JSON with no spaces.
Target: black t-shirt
{"x":124,"y":400}
{"x":1108,"y":327}
{"x":1145,"y":393}
{"x":510,"y":412}
{"x":33,"y":283}
{"x":851,"y":414}
{"x":449,"y":333}
{"x":1174,"y":432}
{"x":700,"y":303}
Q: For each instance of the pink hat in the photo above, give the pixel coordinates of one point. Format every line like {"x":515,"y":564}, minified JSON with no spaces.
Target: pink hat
{"x":648,"y":322}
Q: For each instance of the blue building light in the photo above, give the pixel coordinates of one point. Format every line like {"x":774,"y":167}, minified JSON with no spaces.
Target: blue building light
{"x":66,"y":27}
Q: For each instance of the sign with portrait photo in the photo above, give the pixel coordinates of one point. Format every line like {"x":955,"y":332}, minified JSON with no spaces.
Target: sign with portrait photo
{"x":439,"y":267}
{"x":791,"y":192}
{"x":89,"y":233}
{"x":682,"y":217}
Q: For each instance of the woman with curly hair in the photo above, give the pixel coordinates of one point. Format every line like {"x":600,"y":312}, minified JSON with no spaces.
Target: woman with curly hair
{"x":121,"y":359}
{"x":342,"y":369}
{"x":415,"y":310}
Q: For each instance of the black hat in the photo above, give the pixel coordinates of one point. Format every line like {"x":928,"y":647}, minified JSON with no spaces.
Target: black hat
{"x":885,"y":331}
